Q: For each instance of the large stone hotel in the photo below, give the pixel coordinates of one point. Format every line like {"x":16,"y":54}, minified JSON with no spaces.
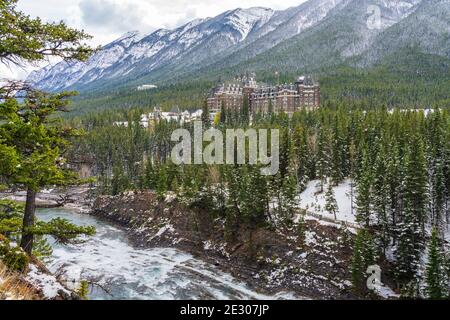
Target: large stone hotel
{"x":289,"y":98}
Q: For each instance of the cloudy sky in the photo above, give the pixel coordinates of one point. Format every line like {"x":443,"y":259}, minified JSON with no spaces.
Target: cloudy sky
{"x":107,"y":20}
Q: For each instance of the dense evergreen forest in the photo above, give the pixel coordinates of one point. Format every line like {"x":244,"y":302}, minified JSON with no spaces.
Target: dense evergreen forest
{"x":384,"y":130}
{"x":408,"y":80}
{"x":398,"y":161}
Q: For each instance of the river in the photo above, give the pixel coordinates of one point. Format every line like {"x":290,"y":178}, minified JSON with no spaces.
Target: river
{"x":121,"y":271}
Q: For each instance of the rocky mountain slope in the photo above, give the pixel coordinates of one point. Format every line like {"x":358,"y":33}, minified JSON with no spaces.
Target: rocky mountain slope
{"x":313,"y":36}
{"x":185,"y":49}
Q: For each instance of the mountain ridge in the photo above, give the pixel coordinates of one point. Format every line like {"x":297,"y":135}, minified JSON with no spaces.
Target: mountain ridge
{"x":197,"y":42}
{"x":314,"y":35}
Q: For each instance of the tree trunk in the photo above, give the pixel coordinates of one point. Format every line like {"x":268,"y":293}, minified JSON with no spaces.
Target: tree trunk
{"x":28,"y":221}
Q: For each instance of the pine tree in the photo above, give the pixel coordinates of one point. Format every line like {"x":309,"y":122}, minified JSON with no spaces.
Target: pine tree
{"x":437,"y":158}
{"x":435,"y":284}
{"x":31,"y":40}
{"x":301,"y":230}
{"x":206,"y":117}
{"x":395,"y":188}
{"x":245,"y":112}
{"x":364,"y":197}
{"x":162,"y":184}
{"x":364,"y":255}
{"x":323,"y":157}
{"x":352,"y":172}
{"x":331,"y":204}
{"x":381,"y":198}
{"x":223,"y":114}
{"x":254,"y":197}
{"x":119,"y":181}
{"x":412,"y":225}
{"x":150,"y":178}
{"x":287,"y":200}
{"x":301,"y":156}
{"x":416,"y":195}
{"x":30,"y":140}
{"x":338,"y":154}
{"x":438,"y":195}
{"x":270,"y":108}
{"x":408,"y":249}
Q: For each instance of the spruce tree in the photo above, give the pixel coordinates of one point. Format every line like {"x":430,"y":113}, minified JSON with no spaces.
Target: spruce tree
{"x":150,"y":178}
{"x":331,"y":204}
{"x":245,"y":112}
{"x":438,"y":195}
{"x":338,"y":154}
{"x":381,"y":197}
{"x":323,"y":157}
{"x":364,"y":197}
{"x":162,"y":184}
{"x":301,"y":156}
{"x":364,"y":255}
{"x":395,"y":188}
{"x":119,"y":181}
{"x":416,"y":187}
{"x":223,"y":114}
{"x":206,"y":117}
{"x":412,"y":224}
{"x":435,"y":284}
{"x":270,"y":108}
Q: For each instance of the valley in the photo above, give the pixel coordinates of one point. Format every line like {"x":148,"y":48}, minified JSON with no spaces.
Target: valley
{"x":297,"y":153}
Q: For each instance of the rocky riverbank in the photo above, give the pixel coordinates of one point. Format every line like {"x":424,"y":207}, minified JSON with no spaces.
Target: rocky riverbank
{"x":74,"y":197}
{"x":315,"y":267}
{"x":38,"y":283}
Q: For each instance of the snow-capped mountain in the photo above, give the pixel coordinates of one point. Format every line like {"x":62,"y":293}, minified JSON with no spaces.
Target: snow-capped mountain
{"x":348,"y":35}
{"x":189,"y":47}
{"x":134,"y":52}
{"x":316,"y":33}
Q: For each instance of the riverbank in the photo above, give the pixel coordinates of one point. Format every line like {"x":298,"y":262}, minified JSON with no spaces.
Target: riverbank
{"x":37,"y":282}
{"x":316,"y":267}
{"x":73,"y":198}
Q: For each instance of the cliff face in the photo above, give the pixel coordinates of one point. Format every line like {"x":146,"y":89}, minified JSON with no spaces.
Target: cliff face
{"x":315,"y":266}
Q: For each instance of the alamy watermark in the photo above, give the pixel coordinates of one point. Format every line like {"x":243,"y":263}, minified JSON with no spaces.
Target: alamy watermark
{"x":374,"y":19}
{"x":229,"y":148}
{"x":374,"y":280}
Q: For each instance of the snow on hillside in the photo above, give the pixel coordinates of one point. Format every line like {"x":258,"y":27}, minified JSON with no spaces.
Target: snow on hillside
{"x":121,"y":56}
{"x":46,"y":283}
{"x":244,"y":20}
{"x":314,"y":202}
{"x":195,"y":42}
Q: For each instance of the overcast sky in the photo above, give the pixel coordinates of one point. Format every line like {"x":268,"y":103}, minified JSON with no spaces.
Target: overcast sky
{"x":107,"y":20}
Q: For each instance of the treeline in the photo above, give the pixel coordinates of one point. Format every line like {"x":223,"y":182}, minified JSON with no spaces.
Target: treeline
{"x":398,"y":161}
{"x":409,"y":79}
{"x":187,"y":96}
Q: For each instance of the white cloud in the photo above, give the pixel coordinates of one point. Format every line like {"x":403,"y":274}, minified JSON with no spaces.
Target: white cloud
{"x":106,"y":20}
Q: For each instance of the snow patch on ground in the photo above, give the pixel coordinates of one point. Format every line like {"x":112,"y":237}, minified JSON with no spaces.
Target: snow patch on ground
{"x":314,"y":202}
{"x":48,"y":284}
{"x":163,"y":230}
{"x":386,"y":292}
{"x":310,"y":238}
